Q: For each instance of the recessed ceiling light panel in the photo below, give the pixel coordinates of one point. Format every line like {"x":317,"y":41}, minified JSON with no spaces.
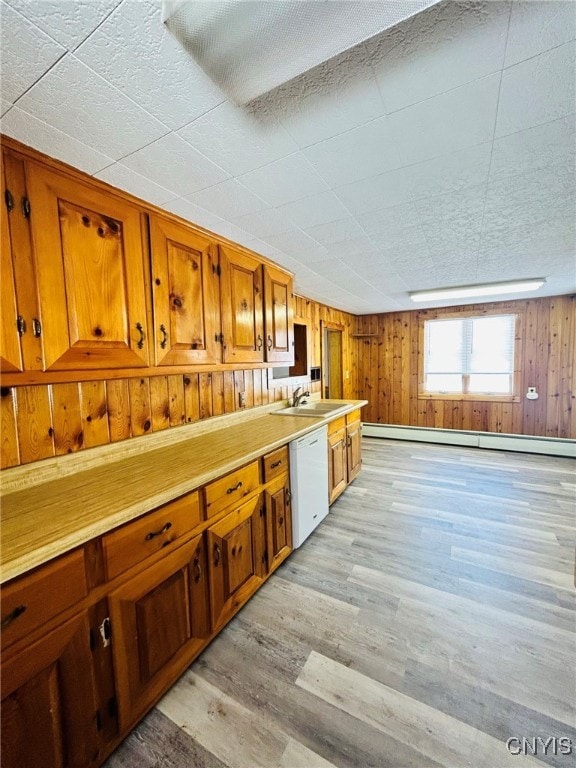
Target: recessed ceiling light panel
{"x":249,"y":47}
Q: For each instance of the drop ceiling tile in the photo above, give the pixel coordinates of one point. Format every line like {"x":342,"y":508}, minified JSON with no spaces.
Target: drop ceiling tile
{"x":454,"y":217}
{"x":69,"y":22}
{"x":538,"y":90}
{"x":4,"y":106}
{"x":78,"y":102}
{"x":312,"y":255}
{"x":229,"y":199}
{"x":237,"y":139}
{"x":448,"y":173}
{"x":358,"y":154}
{"x":134,"y":51}
{"x":444,"y":124}
{"x":25,"y":53}
{"x":193,"y":213}
{"x":285,"y":180}
{"x":270,"y":221}
{"x":120,"y":176}
{"x":375,"y":193}
{"x":534,"y":148}
{"x":331,"y":99}
{"x":293,"y":241}
{"x":316,"y":209}
{"x":449,"y":45}
{"x":348,"y":250}
{"x":234,"y":233}
{"x":389,"y":220}
{"x":43,"y":137}
{"x":174,"y":164}
{"x":537,"y":26}
{"x":408,"y":259}
{"x":334,"y":232}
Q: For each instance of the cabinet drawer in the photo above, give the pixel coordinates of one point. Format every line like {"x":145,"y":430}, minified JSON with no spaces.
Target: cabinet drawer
{"x":275,"y":463}
{"x":352,"y":417}
{"x":230,"y":488}
{"x":336,"y":424}
{"x":133,"y":542}
{"x":32,"y":600}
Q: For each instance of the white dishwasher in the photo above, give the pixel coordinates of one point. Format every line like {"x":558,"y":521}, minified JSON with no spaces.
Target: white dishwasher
{"x":309,"y":483}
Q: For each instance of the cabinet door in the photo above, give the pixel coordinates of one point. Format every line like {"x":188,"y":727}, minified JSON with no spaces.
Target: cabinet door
{"x":242,"y":310}
{"x":48,"y":702}
{"x":20,"y":348}
{"x":236,"y":557}
{"x":337,"y":475}
{"x":278,"y":522}
{"x":279,"y":316}
{"x":90,"y":270}
{"x":353,"y":449}
{"x":159,"y":622}
{"x":10,"y":356}
{"x":186,"y":295}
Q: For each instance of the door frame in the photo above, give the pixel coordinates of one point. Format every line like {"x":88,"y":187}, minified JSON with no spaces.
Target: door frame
{"x":325,"y":327}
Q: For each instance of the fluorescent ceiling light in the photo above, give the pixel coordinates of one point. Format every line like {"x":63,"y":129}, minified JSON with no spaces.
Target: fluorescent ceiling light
{"x":249,"y":47}
{"x":468,"y":291}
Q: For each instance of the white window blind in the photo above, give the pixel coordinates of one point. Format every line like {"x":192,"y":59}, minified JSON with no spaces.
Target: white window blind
{"x":470,"y":355}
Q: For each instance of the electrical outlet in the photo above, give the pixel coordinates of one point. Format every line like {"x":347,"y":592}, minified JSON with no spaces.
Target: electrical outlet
{"x":241,"y":399}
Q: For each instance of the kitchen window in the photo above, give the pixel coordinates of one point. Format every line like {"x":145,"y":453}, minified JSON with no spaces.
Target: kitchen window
{"x":473,"y":357}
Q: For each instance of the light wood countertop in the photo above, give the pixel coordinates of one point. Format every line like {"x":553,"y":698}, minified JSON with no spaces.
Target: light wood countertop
{"x":49,"y":518}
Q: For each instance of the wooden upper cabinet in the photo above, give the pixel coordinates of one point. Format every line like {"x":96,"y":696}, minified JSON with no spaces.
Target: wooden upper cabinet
{"x":186,"y":291}
{"x":242,"y":307}
{"x":20,"y":338}
{"x":89,"y":256}
{"x":279,"y":316}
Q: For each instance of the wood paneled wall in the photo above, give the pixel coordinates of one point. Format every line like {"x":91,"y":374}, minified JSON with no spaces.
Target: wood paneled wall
{"x":386,"y":364}
{"x":54,"y":419}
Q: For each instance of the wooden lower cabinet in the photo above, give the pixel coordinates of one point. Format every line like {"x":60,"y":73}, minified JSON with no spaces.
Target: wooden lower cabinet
{"x":159,"y":620}
{"x":49,"y":710}
{"x":344,"y":453}
{"x":236,"y":559}
{"x":337,"y":472}
{"x":353,"y":449}
{"x":278,"y":522}
{"x":91,"y":641}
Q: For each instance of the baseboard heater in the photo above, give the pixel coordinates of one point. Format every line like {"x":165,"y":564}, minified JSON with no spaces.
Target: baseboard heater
{"x":553,"y":446}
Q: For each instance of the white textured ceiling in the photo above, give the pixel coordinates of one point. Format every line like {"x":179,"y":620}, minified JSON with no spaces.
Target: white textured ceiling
{"x":439,"y":153}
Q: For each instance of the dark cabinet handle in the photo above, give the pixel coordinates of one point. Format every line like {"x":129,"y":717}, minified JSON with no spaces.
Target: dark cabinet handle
{"x":36,"y":328}
{"x":216,"y":555}
{"x":153,"y":534}
{"x":140,"y":329}
{"x":164,"y":337}
{"x":18,"y":611}
{"x":288,"y":496}
{"x":280,"y":521}
{"x":276,"y":464}
{"x":235,"y":488}
{"x":197,"y":570}
{"x":269,"y":342}
{"x":260,"y":342}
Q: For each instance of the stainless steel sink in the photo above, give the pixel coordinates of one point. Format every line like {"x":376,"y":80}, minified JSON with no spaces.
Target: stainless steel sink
{"x":317,"y":409}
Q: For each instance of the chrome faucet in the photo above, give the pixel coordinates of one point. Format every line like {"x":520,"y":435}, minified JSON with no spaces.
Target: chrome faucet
{"x":296,"y":398}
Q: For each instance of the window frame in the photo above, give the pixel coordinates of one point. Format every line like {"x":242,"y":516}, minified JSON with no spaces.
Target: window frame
{"x":423,"y":394}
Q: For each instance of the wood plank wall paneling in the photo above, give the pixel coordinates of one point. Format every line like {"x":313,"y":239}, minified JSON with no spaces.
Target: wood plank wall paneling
{"x":52,"y":419}
{"x":386,"y":366}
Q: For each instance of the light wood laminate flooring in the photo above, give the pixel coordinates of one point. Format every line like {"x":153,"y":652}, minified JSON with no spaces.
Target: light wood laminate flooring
{"x":428,"y":619}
